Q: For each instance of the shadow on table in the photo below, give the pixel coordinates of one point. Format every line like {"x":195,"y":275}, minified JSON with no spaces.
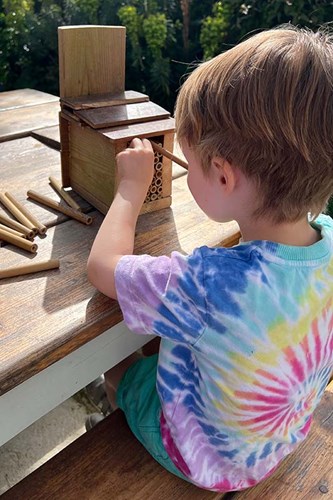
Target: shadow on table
{"x":71,"y":243}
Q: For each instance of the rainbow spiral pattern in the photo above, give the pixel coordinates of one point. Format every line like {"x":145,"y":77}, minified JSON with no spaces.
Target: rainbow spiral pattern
{"x":246,"y":351}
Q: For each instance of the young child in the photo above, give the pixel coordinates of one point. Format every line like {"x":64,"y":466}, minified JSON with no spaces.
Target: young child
{"x":247,"y":332}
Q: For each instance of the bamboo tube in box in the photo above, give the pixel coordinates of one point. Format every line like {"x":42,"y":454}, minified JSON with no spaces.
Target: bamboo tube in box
{"x":33,"y":267}
{"x":41,"y":228}
{"x":167,"y":154}
{"x":18,"y":241}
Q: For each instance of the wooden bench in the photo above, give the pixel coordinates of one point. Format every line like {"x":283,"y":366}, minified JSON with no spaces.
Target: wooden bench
{"x":109,"y":463}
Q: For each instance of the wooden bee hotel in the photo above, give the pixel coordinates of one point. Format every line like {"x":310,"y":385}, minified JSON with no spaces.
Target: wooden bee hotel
{"x":98,"y":118}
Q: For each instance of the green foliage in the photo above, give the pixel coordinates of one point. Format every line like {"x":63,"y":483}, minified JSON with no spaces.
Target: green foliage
{"x":14,"y":33}
{"x":159,"y":79}
{"x":148,"y":33}
{"x":155,"y":33}
{"x":29,"y":40}
{"x":42,"y":50}
{"x":80,"y":11}
{"x":254,"y":15}
{"x":213,"y":30}
{"x":162,"y":38}
{"x":129,"y":17}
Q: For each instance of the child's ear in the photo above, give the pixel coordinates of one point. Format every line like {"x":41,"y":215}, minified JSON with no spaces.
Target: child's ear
{"x":224,"y":173}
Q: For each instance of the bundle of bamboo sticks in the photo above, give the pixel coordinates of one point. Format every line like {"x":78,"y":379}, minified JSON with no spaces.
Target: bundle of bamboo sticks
{"x":72,"y":210}
{"x":22,"y":230}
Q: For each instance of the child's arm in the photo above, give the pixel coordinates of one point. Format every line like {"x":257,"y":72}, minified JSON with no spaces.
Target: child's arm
{"x":115,"y":237}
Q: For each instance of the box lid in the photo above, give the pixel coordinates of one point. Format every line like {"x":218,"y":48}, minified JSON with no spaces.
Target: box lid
{"x":103,"y":100}
{"x":147,"y":129}
{"x":112,"y":116}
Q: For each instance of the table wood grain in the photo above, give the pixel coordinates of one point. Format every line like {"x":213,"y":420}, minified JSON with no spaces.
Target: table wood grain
{"x":26,"y":164}
{"x":46,"y":316}
{"x":49,"y":136}
{"x":20,"y":98}
{"x":21,"y":121}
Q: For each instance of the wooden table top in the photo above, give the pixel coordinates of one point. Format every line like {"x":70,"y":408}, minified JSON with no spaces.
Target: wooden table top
{"x":22,"y":111}
{"x":45,"y":316}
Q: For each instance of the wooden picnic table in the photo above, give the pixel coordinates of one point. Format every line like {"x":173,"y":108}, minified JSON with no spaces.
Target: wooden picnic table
{"x":57,"y":332}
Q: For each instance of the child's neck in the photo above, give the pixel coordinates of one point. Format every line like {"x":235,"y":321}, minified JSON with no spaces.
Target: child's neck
{"x":298,"y":233}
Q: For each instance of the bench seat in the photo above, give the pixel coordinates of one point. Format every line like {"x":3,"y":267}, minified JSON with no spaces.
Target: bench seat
{"x":109,"y":463}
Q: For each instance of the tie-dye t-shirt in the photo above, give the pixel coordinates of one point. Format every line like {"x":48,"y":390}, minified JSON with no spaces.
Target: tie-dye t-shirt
{"x":246,"y":351}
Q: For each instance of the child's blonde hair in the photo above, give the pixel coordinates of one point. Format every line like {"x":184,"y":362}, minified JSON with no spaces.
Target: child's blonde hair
{"x":266,"y":106}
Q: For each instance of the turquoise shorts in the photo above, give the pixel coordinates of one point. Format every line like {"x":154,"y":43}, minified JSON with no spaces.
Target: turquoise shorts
{"x":137,"y":397}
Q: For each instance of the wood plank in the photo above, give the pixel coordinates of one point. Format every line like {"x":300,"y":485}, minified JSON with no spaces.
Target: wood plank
{"x":168,"y":141}
{"x":307,"y":474}
{"x":106,"y":462}
{"x":66,"y":377}
{"x":90,"y":169}
{"x":91,"y":60}
{"x":112,"y":116}
{"x":148,"y":129}
{"x":92,"y":165}
{"x":49,"y":136}
{"x":14,"y":99}
{"x":64,"y":150}
{"x":64,"y":310}
{"x":27,"y":164}
{"x":20,"y":122}
{"x":103,"y":100}
{"x":61,"y":313}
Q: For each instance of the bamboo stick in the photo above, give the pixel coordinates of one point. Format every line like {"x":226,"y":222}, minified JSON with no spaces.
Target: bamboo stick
{"x":32,"y":267}
{"x":41,"y":228}
{"x":64,"y":195}
{"x":17,"y":213}
{"x":45,"y":200}
{"x":17,"y":226}
{"x":17,"y":241}
{"x":12,"y":231}
{"x":169,"y":155}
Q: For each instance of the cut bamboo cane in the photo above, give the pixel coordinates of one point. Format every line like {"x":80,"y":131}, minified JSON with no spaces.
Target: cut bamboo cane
{"x":41,"y":228}
{"x":169,"y":155}
{"x":17,"y":241}
{"x":17,"y":213}
{"x":33,"y":267}
{"x":12,"y":231}
{"x":64,"y":195}
{"x":17,"y":226}
{"x":45,"y":200}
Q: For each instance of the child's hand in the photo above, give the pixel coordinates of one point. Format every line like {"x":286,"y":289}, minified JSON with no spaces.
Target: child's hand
{"x":136,"y":165}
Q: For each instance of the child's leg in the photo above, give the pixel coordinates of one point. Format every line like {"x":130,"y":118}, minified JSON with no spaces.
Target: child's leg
{"x":138,"y":398}
{"x":114,"y":376}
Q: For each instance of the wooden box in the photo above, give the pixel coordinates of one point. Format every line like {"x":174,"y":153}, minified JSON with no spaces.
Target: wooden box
{"x":99,"y":118}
